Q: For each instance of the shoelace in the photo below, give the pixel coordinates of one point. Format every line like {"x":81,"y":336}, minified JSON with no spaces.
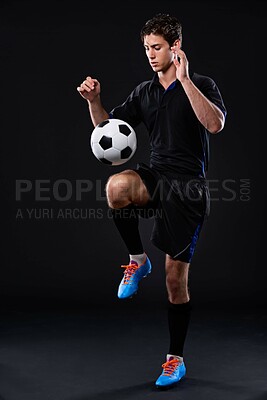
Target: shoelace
{"x":129,"y":271}
{"x":170,"y":366}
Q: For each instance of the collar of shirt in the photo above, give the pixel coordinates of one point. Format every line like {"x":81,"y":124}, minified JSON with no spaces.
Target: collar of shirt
{"x":155,"y":81}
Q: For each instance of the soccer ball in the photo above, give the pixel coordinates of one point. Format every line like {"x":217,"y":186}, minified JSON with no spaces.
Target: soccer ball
{"x":113,"y":141}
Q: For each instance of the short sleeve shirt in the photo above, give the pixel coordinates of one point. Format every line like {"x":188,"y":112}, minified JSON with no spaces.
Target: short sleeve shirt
{"x":179,"y":143}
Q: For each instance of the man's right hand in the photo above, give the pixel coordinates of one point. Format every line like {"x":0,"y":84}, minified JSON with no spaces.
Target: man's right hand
{"x":89,"y":89}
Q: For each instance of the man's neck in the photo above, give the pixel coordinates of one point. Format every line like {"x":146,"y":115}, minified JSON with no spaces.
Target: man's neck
{"x":168,"y":77}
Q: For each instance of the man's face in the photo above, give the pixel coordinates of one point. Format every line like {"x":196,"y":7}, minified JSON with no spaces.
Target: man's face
{"x":158,"y":52}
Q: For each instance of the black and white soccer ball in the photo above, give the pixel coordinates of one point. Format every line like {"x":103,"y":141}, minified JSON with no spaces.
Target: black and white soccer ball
{"x":113,"y":141}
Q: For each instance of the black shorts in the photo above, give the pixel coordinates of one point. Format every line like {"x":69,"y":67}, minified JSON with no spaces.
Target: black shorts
{"x":179,"y":206}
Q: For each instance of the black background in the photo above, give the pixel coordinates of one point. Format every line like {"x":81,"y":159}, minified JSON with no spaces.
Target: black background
{"x":47,"y":49}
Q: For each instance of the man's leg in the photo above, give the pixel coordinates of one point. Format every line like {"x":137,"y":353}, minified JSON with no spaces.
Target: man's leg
{"x":126,"y":188}
{"x":179,"y":303}
{"x":125,"y":192}
{"x":179,"y":310}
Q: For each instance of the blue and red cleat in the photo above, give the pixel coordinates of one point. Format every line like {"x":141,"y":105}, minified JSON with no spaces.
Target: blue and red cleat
{"x":132,"y":276}
{"x":173,"y":371}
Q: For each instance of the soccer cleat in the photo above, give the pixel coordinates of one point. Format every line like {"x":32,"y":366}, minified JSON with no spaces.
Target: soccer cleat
{"x":132,"y":276}
{"x":173,"y":371}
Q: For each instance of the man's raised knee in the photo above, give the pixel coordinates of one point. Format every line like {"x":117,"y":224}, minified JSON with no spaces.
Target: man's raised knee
{"x":118,"y":190}
{"x":125,"y":188}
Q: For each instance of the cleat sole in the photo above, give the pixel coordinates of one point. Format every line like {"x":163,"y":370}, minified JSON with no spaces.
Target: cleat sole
{"x":171,"y":385}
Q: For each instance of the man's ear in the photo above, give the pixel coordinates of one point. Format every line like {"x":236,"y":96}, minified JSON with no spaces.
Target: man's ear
{"x":177,"y":43}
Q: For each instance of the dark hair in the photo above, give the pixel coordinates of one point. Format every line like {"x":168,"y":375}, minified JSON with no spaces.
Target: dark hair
{"x":164,"y":25}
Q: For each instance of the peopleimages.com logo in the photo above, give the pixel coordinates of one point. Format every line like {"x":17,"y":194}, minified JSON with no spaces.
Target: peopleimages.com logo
{"x":63,"y":190}
{"x":57,"y":194}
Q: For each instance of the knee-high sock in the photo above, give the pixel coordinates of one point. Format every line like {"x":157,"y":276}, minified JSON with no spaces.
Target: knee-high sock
{"x":127,"y":221}
{"x":178,"y":319}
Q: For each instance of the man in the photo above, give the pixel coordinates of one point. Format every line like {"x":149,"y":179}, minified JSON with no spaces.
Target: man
{"x":180,"y":109}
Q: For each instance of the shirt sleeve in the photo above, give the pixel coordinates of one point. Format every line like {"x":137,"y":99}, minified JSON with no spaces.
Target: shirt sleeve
{"x":212,"y":92}
{"x":130,"y":110}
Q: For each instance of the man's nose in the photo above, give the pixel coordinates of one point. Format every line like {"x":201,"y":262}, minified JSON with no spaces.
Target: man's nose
{"x":151,"y":53}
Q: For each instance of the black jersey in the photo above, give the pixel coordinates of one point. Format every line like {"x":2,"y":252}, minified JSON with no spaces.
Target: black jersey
{"x":179,"y":143}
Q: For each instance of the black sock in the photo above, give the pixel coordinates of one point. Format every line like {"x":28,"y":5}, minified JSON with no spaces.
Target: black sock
{"x":178,"y":318}
{"x":127,"y":221}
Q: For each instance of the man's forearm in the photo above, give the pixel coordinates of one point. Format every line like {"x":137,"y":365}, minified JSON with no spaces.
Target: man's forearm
{"x":97,"y":111}
{"x":207,"y":113}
